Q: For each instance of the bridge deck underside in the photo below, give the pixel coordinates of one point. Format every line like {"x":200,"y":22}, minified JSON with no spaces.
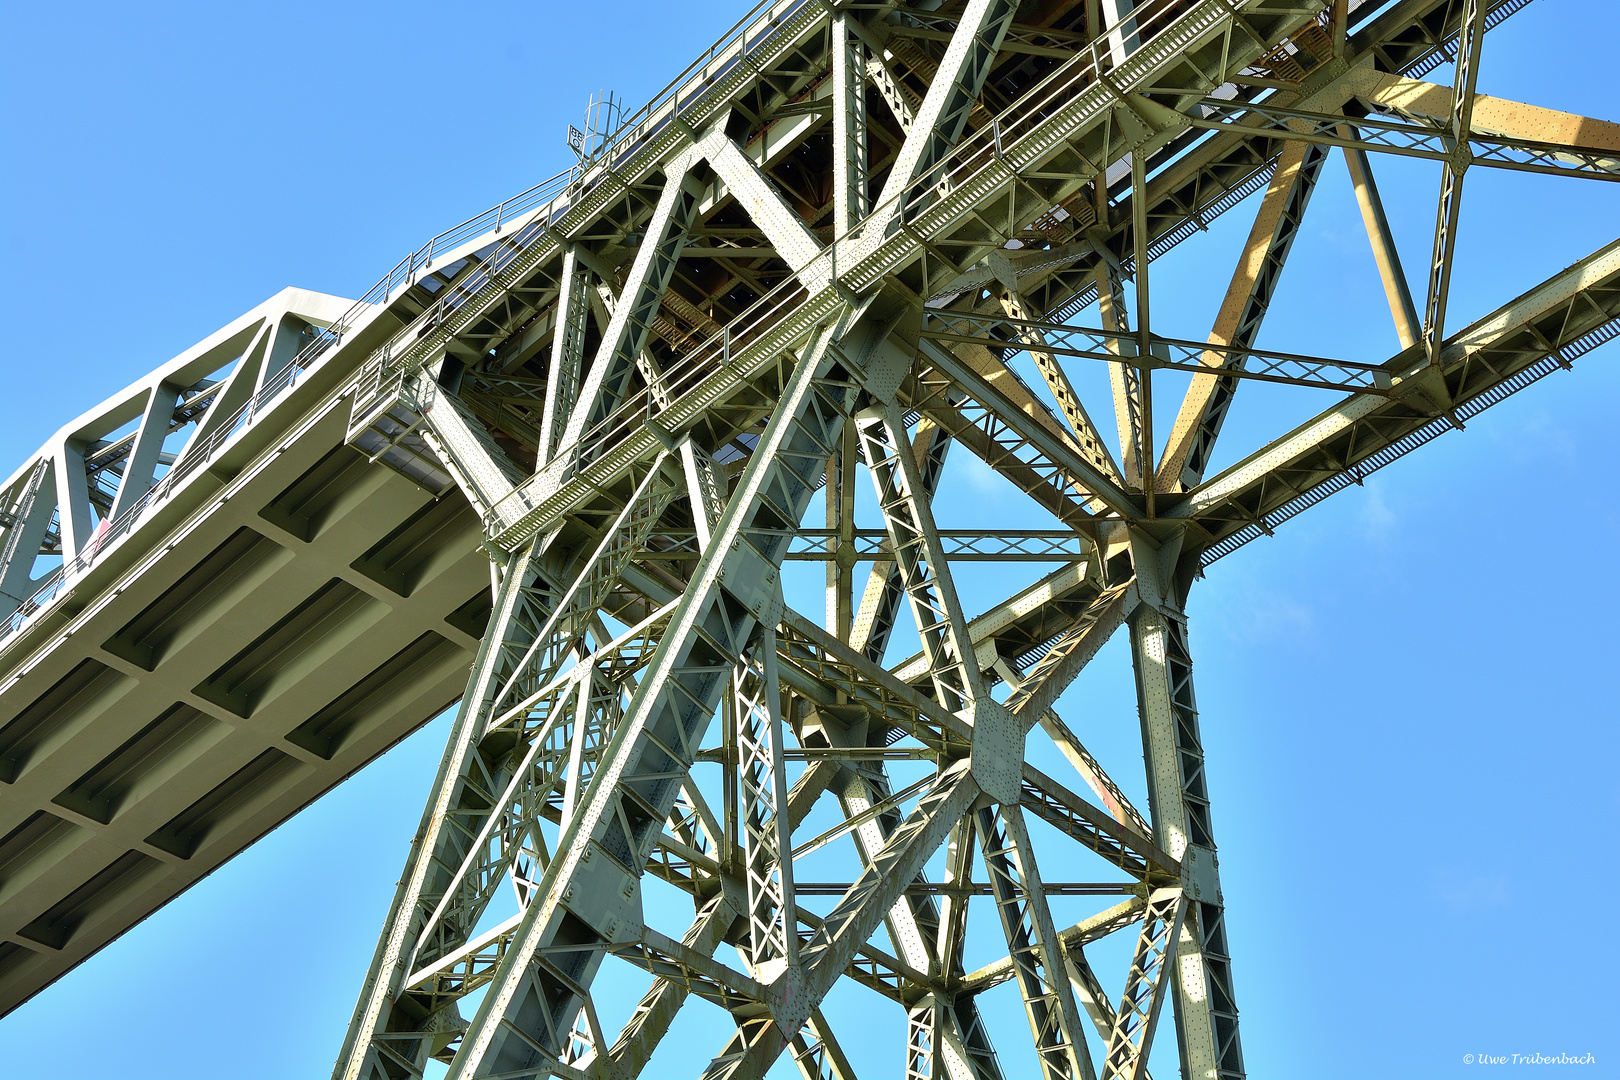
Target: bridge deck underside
{"x":316,"y":613}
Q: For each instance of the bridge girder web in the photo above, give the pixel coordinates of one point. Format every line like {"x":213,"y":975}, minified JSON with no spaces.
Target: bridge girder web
{"x":824,"y":251}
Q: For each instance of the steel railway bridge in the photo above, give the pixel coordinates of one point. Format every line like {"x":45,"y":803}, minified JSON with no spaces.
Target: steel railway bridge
{"x":568,"y":445}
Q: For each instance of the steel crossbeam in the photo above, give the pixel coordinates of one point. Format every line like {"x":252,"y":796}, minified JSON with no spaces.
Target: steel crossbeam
{"x":1416,"y":137}
{"x":1542,"y":331}
{"x":832,"y":245}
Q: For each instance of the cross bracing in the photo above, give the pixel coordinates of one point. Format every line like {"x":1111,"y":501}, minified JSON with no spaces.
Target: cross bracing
{"x":572,"y":442}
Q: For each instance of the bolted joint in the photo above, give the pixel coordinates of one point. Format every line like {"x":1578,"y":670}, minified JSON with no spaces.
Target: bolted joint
{"x":753,"y":581}
{"x":790,"y":1001}
{"x":606,"y":896}
{"x":1200,"y":874}
{"x":997,"y":761}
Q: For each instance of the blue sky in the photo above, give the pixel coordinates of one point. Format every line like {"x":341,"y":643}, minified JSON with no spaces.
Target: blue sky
{"x":1402,"y":694}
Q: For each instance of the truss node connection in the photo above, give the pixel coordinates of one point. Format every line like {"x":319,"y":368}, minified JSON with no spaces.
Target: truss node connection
{"x":572,"y":445}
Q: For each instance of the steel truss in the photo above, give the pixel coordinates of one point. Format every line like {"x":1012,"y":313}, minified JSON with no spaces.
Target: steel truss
{"x":644,"y":386}
{"x":849,"y":390}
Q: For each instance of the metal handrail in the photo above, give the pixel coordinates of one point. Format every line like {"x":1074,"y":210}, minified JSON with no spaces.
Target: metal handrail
{"x":984,"y":148}
{"x":633,"y":132}
{"x":404,"y":272}
{"x":990,"y":144}
{"x":684,"y":90}
{"x":192,"y":458}
{"x":629,"y":135}
{"x":325,"y":339}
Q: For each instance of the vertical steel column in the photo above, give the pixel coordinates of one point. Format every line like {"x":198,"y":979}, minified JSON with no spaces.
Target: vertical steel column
{"x":773,"y":925}
{"x":841,"y":523}
{"x":1032,"y":944}
{"x":30,"y":514}
{"x":1206,"y":1009}
{"x":1124,"y":379}
{"x":919,"y":557}
{"x":72,"y":498}
{"x":849,"y":125}
{"x":924,"y":1040}
{"x":880,"y":599}
{"x":1144,"y":328}
{"x":1470,"y":35}
{"x":567,"y":352}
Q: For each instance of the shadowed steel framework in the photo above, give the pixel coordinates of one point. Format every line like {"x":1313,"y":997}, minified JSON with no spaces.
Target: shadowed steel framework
{"x":553,"y":464}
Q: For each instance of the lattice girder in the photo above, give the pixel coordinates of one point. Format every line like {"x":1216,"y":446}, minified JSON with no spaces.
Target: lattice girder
{"x":829,"y":249}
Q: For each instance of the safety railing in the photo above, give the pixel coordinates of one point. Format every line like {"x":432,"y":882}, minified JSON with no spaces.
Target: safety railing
{"x":1149,"y":28}
{"x":406,"y":271}
{"x":1146,"y":28}
{"x":682,"y":96}
{"x":746,"y":37}
{"x":1150,"y":34}
{"x":553,"y":196}
{"x":194,"y":457}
